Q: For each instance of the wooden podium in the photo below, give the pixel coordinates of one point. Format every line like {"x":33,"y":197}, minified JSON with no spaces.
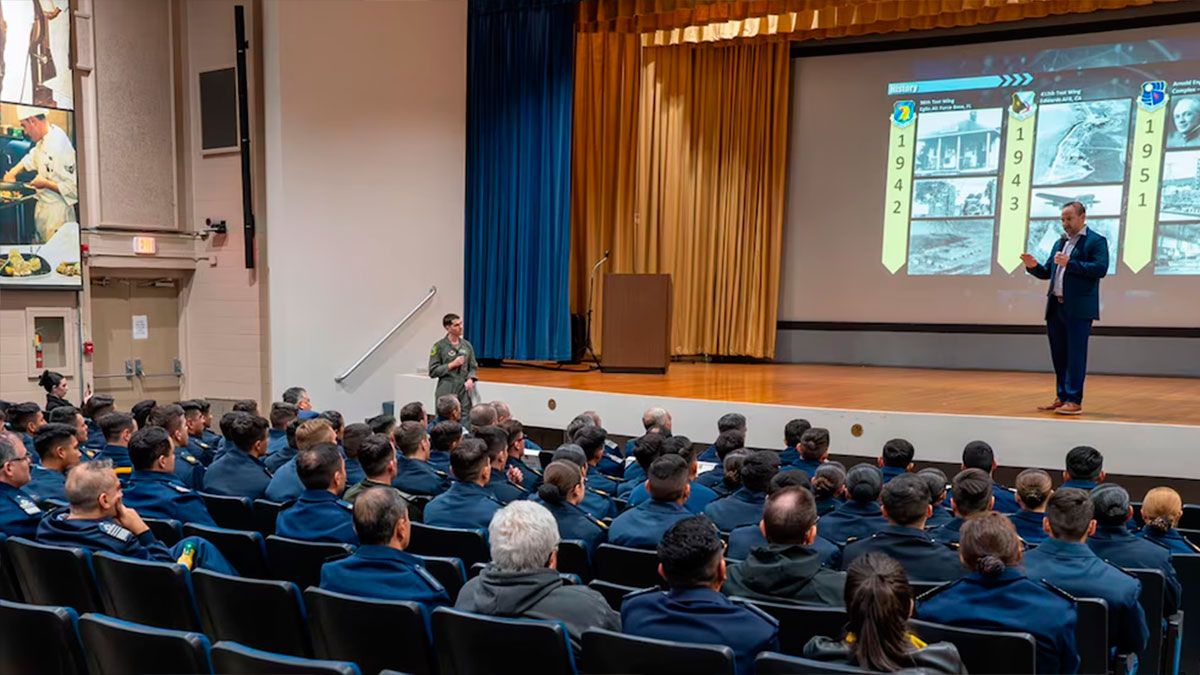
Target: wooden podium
{"x":637,"y":323}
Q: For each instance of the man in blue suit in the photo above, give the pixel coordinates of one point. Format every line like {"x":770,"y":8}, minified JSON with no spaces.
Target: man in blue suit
{"x":1077,"y":263}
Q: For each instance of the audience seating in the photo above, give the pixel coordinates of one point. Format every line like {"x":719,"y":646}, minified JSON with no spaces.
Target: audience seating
{"x":613,"y":593}
{"x":246,"y":550}
{"x":234,"y":513}
{"x":339,"y":623}
{"x":114,"y":647}
{"x":169,"y":532}
{"x":608,"y":652}
{"x":265,"y":514}
{"x":626,"y":566}
{"x":416,"y":507}
{"x":1191,"y":517}
{"x":1091,"y":635}
{"x":9,"y":589}
{"x":467,"y":644}
{"x":1187,"y":568}
{"x":573,"y":558}
{"x":544,"y":458}
{"x":1191,"y":535}
{"x":40,"y":639}
{"x":469,"y":546}
{"x":231,"y":657}
{"x":157,"y":594}
{"x":920,"y":588}
{"x":258,"y":613}
{"x":800,"y":623}
{"x":1153,"y":602}
{"x":770,"y":663}
{"x":984,"y":651}
{"x":448,"y":571}
{"x":300,"y":561}
{"x":54,"y":575}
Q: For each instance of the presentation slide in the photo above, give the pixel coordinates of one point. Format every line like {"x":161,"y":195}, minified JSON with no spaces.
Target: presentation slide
{"x":919,"y":177}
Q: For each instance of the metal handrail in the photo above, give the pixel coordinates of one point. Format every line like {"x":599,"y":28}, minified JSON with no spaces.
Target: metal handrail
{"x":340,"y":378}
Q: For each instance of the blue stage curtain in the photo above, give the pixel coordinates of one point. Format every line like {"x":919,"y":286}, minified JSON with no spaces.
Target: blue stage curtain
{"x":520,"y":78}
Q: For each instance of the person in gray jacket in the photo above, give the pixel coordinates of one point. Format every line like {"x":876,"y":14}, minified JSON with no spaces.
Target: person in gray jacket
{"x":522,"y":582}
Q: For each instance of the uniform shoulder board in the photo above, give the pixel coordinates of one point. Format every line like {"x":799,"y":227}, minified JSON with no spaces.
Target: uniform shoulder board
{"x":345,"y":504}
{"x":1191,"y":545}
{"x":115,"y":531}
{"x":602,"y":493}
{"x":202,"y":444}
{"x":123,"y":470}
{"x":180,"y":489}
{"x":938,"y":589}
{"x":757,"y":611}
{"x":441,"y":474}
{"x":1057,"y":591}
{"x":849,"y":540}
{"x":91,"y":454}
{"x":429,"y":579}
{"x":190,"y":459}
{"x":27,"y":505}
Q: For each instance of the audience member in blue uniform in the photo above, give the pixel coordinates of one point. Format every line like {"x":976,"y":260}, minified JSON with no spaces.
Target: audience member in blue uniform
{"x":58,"y":447}
{"x":277,"y":459}
{"x":98,"y":520}
{"x":194,"y":421}
{"x":414,"y":473}
{"x":153,"y":488}
{"x":319,"y":514}
{"x":693,"y":610}
{"x":298,"y":396}
{"x":443,"y":438}
{"x":561,"y":492}
{"x":979,"y":455}
{"x":597,"y":504}
{"x":996,"y":595}
{"x":414,"y":411}
{"x":187,"y":466}
{"x":70,"y":416}
{"x":521,"y":581}
{"x":972,"y":495}
{"x":446,"y":410}
{"x":285,"y":484}
{"x":1161,"y":510}
{"x":731,"y":467}
{"x":591,"y":439}
{"x":793,"y":431}
{"x":906,"y":506}
{"x":212,"y":438}
{"x":1114,"y":542}
{"x":786,"y":567}
{"x":714,"y":478}
{"x":646,"y":449}
{"x":468,"y":504}
{"x":19,"y":512}
{"x":727,"y":422}
{"x":1065,"y":560}
{"x":500,"y":482}
{"x":530,"y":476}
{"x":829,"y":487}
{"x":814,"y":451}
{"x":384,"y":424}
{"x":378,"y":459}
{"x":896,"y":458}
{"x":352,"y":440}
{"x":118,"y":428}
{"x":935,"y":481}
{"x":745,"y":507}
{"x":141,"y":411}
{"x":94,"y":408}
{"x":1034,"y":488}
{"x":699,"y":497}
{"x":239,"y":471}
{"x":860,"y":516}
{"x":1085,"y":468}
{"x":379,"y":567}
{"x":479,"y":416}
{"x":643,"y":525}
{"x":24,"y":419}
{"x":743,"y":540}
{"x":336,"y":420}
{"x":611,"y":464}
{"x":879,"y":603}
{"x":655,"y":420}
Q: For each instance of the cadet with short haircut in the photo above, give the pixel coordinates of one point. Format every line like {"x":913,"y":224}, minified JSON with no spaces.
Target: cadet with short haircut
{"x":468,"y":503}
{"x":318,"y":514}
{"x":154,"y":489}
{"x":239,"y":471}
{"x":906,"y":507}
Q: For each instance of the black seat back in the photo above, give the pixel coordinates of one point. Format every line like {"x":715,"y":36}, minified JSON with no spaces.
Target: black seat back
{"x":471,"y":644}
{"x":448,"y":571}
{"x":984,"y":651}
{"x":1190,"y":520}
{"x":246,"y":550}
{"x":233,"y":513}
{"x":613,"y":593}
{"x":259,"y":613}
{"x":626,"y":566}
{"x":9,"y":588}
{"x":920,"y":588}
{"x":1153,"y":602}
{"x":544,"y":458}
{"x":1091,"y":635}
{"x":54,"y":575}
{"x":340,"y":621}
{"x":469,"y":546}
{"x":574,"y":558}
{"x":265,"y":514}
{"x":300,"y":561}
{"x":168,"y":531}
{"x":800,"y":623}
{"x":157,"y":594}
{"x":608,"y":652}
{"x":770,"y":663}
{"x":231,"y":657}
{"x":40,"y":640}
{"x":114,"y":646}
{"x":1187,"y":568}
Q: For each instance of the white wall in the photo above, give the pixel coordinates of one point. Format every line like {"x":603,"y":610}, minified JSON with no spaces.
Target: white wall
{"x":365,"y":144}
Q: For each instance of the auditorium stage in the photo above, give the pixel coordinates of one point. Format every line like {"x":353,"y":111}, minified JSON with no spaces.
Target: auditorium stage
{"x":1146,"y":426}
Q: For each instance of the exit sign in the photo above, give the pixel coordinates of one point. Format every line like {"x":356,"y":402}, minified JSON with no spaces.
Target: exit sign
{"x":145,"y":245}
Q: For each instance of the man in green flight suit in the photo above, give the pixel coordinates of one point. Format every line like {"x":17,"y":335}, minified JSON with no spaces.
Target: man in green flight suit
{"x":452,"y":362}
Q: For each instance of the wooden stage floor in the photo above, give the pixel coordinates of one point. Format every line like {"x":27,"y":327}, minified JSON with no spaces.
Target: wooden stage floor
{"x":1107,"y":398}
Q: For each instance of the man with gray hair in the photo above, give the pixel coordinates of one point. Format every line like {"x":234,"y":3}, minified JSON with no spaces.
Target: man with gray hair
{"x":19,"y":514}
{"x":482,"y":415}
{"x":522,"y":582}
{"x":380,"y":568}
{"x":448,"y":409}
{"x":98,"y":520}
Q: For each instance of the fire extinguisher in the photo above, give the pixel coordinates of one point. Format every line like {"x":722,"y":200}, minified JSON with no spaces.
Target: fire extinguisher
{"x":37,"y":351}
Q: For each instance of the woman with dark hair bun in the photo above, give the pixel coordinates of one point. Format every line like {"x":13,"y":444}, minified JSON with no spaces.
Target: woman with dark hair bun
{"x":561,"y":492}
{"x":879,"y":602}
{"x":55,"y":385}
{"x":996,"y":595}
